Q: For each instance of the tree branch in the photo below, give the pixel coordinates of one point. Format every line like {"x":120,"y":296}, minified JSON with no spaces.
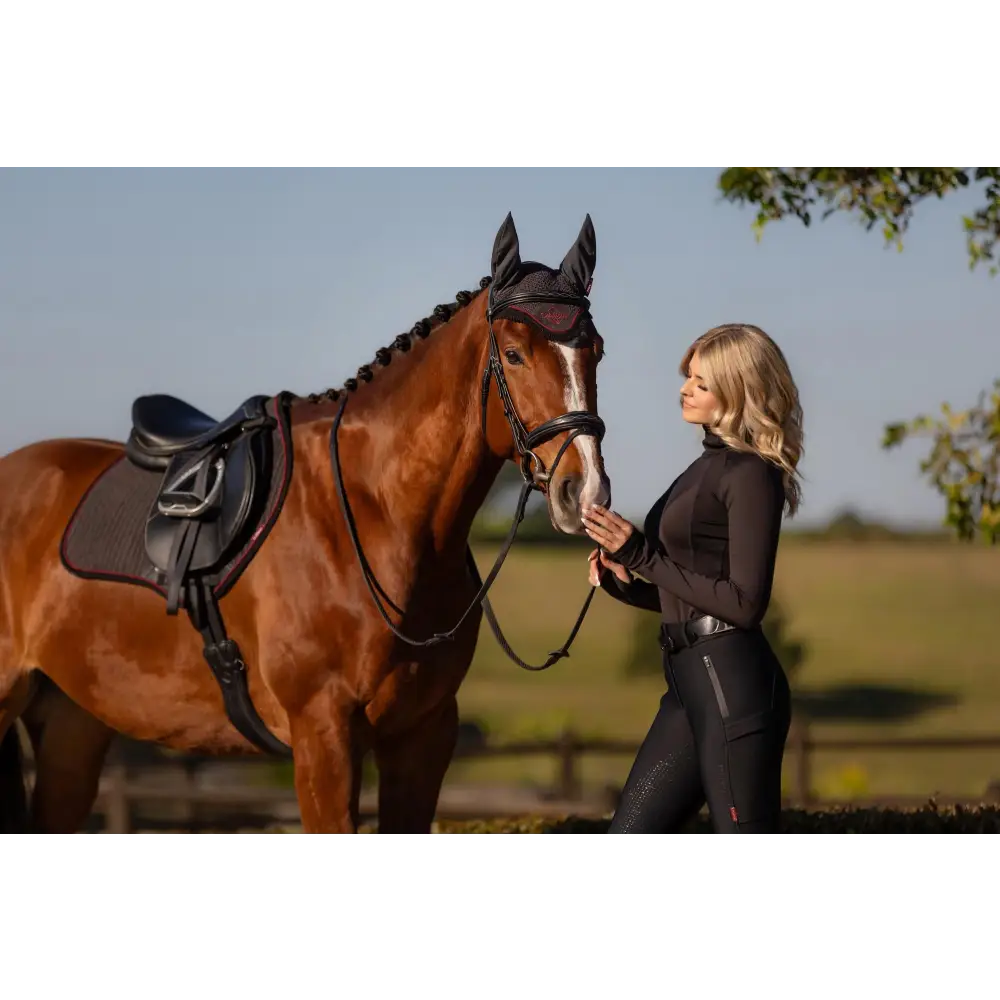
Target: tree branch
{"x":877,"y":195}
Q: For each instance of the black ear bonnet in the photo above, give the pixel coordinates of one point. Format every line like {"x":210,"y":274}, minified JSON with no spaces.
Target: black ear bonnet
{"x":554,"y":302}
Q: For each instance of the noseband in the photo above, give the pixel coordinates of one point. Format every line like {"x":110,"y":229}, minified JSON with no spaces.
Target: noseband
{"x":536,"y":477}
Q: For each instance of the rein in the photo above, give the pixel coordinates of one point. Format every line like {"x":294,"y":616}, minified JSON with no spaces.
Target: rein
{"x":533,"y":471}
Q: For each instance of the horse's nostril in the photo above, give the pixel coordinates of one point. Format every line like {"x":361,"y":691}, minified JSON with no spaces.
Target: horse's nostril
{"x":569,"y":491}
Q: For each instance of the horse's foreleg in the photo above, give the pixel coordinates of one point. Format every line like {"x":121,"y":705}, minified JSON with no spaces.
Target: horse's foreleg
{"x":15,"y":694}
{"x":70,"y":746}
{"x":328,"y":743}
{"x":411,"y":770}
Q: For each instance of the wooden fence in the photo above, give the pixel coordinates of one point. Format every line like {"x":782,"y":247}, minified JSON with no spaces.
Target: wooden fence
{"x":131,"y":796}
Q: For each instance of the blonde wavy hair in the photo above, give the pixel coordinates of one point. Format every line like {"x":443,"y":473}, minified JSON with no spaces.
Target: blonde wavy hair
{"x":759,"y":408}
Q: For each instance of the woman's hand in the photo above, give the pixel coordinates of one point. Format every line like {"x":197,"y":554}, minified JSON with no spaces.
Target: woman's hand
{"x":606,"y":528}
{"x":594,"y":569}
{"x":598,"y":562}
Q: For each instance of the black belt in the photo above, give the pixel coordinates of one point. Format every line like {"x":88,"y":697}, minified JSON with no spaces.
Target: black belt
{"x":675,"y":636}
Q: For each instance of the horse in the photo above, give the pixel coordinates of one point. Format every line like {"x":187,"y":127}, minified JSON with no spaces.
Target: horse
{"x":342,"y":609}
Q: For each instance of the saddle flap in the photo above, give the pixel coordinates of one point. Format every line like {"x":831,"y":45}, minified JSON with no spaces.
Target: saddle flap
{"x":223,"y":506}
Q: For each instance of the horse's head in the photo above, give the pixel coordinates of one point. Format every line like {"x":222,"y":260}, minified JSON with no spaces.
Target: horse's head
{"x":544,"y":351}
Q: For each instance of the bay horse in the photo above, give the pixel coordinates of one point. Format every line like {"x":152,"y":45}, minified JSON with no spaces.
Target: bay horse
{"x":339,"y":611}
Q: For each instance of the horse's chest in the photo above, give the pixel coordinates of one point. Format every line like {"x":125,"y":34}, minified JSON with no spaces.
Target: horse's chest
{"x":411,"y":687}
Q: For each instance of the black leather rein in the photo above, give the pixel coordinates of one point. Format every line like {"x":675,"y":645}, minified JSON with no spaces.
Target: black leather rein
{"x":533,"y":471}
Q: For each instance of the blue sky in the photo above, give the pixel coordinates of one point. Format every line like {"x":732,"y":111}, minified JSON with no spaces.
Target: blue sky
{"x":112,"y":281}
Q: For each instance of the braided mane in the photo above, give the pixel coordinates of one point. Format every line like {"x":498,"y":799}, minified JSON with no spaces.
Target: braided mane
{"x":384,"y":355}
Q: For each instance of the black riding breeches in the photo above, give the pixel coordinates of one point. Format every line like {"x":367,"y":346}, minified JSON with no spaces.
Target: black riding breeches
{"x":718,"y":737}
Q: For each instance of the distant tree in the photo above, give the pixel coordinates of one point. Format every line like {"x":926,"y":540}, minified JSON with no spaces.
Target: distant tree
{"x":791,"y":652}
{"x":849,"y":524}
{"x":962,"y":464}
{"x":644,"y":657}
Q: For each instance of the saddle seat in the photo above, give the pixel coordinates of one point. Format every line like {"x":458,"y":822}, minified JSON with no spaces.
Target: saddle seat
{"x":163,"y":426}
{"x":216,"y":474}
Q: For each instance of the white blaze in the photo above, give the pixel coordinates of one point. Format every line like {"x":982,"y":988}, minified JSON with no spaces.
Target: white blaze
{"x":576,"y":399}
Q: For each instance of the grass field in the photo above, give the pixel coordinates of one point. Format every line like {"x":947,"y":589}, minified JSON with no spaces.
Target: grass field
{"x":899,"y":639}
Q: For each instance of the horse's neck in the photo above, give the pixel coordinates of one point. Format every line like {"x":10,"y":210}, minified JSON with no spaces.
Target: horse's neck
{"x":412,"y":439}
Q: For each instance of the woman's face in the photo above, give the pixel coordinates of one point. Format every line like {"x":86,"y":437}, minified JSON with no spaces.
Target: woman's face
{"x":698,"y":405}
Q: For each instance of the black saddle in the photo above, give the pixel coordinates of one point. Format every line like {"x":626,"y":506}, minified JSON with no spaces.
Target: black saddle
{"x":164,"y":426}
{"x":217,"y":475}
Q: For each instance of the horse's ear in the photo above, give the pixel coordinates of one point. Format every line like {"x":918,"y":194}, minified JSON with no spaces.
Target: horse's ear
{"x":506,"y":254}
{"x":578,"y":265}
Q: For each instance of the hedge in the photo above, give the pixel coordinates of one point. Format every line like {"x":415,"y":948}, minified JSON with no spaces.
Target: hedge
{"x":928,"y":819}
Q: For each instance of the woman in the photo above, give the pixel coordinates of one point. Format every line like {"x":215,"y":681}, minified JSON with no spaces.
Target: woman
{"x":708,"y":552}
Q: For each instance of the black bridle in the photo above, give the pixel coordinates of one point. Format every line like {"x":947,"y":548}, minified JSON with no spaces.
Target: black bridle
{"x":577,"y":422}
{"x":535,"y":475}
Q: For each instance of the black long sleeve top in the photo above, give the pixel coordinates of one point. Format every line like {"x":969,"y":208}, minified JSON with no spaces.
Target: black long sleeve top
{"x":709,"y":544}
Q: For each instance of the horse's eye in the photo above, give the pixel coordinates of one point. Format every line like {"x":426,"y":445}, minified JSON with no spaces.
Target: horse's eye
{"x":513,"y":358}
